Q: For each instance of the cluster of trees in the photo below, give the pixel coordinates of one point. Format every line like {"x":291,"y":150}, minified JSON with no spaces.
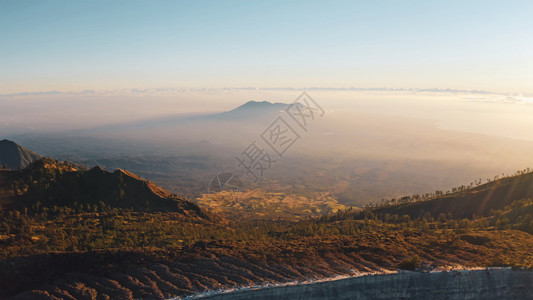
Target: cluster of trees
{"x":439,"y":193}
{"x":41,"y":175}
{"x":518,"y":215}
{"x":83,"y":227}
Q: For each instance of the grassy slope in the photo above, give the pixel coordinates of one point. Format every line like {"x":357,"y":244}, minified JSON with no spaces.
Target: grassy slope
{"x":479,"y":200}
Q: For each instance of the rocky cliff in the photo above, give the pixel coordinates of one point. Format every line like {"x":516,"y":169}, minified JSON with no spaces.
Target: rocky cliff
{"x":464,"y":284}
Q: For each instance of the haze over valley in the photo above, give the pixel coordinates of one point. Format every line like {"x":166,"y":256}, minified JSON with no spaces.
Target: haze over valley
{"x":272,"y":150}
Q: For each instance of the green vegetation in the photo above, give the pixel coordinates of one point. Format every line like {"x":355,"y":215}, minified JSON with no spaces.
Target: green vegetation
{"x":46,"y":220}
{"x":84,"y":227}
{"x":411,"y":263}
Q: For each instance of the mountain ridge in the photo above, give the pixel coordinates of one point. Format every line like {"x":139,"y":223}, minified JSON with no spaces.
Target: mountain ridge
{"x":469,"y":202}
{"x":15,"y":156}
{"x":53,"y":183}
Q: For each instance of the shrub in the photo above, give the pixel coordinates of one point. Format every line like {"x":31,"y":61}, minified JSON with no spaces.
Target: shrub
{"x":411,"y":263}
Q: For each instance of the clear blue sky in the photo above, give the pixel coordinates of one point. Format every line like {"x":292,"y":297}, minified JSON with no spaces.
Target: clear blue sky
{"x":77,"y":45}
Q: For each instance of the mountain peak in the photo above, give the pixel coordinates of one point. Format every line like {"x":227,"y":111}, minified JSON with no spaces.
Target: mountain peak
{"x":8,"y":143}
{"x":260,"y":104}
{"x":15,"y":156}
{"x":98,"y":169}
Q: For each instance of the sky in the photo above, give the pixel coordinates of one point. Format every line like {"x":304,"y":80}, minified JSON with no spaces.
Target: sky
{"x":72,"y":46}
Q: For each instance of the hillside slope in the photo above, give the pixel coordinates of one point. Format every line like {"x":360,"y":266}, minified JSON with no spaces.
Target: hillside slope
{"x":168,"y":273}
{"x":15,"y":156}
{"x":49,"y":183}
{"x":478,"y":201}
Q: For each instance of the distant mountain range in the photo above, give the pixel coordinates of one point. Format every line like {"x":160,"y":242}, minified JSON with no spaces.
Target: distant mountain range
{"x":14,"y":156}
